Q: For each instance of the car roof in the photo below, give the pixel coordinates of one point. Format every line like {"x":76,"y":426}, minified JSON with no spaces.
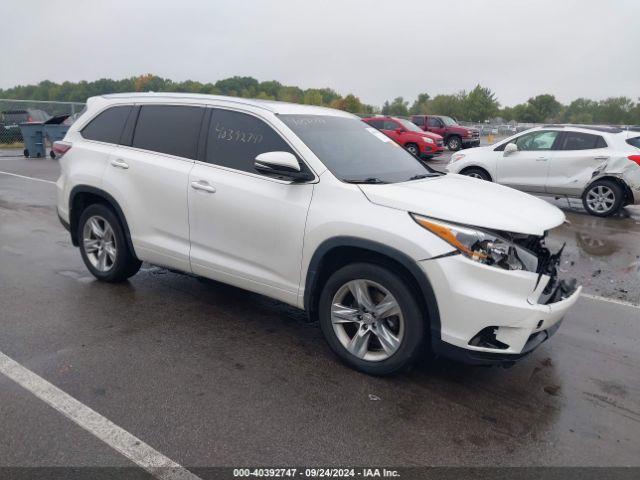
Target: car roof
{"x":270,"y":105}
{"x":596,"y":128}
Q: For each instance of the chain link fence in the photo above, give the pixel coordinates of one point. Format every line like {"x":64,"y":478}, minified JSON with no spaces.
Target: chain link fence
{"x":15,"y":112}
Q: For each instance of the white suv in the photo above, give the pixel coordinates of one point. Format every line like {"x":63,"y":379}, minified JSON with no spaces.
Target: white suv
{"x":315,"y":208}
{"x":600,"y":165}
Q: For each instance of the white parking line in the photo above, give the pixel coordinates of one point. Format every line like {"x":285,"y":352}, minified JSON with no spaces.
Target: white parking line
{"x":610,"y":300}
{"x":28,"y":178}
{"x":102,"y":428}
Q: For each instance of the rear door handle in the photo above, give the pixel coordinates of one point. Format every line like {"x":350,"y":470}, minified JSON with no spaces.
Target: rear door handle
{"x":601,"y":158}
{"x":119,"y":163}
{"x":204,"y":186}
{"x":542,"y":159}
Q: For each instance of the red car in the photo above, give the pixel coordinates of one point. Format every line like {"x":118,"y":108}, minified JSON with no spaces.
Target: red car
{"x":417,"y":142}
{"x":455,"y":136}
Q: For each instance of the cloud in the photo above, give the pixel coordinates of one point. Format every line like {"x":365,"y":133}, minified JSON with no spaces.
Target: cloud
{"x":375,"y":49}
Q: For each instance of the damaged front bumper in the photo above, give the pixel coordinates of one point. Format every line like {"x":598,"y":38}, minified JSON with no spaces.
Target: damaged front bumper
{"x":490,"y":315}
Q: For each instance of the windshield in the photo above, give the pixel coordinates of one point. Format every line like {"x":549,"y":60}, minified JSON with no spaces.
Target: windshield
{"x":412,"y":127}
{"x":448,"y":121}
{"x":355,"y":152}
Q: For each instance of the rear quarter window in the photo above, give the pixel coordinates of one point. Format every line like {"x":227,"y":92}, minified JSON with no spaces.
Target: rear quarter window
{"x":107,"y":126}
{"x":634,"y":142}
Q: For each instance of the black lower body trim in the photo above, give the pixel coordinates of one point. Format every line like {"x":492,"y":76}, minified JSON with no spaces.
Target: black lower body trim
{"x":64,"y":223}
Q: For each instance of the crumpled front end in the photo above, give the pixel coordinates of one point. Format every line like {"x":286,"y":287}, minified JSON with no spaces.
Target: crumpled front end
{"x":491,"y":315}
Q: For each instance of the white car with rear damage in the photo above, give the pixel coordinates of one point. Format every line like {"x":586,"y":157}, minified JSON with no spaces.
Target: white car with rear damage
{"x":600,"y":165}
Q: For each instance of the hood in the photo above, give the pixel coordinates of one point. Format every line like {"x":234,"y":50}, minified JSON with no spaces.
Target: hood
{"x":469,"y":201}
{"x":432,"y":136}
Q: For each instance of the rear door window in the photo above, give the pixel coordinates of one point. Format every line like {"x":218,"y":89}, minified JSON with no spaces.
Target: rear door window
{"x":434,"y":122}
{"x":235,"y":140}
{"x":581,"y":141}
{"x":170,"y":129}
{"x":635,"y":142}
{"x":107,"y":126}
{"x":418,"y":121}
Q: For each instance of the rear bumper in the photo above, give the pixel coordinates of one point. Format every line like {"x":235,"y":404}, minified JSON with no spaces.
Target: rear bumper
{"x":489,"y":315}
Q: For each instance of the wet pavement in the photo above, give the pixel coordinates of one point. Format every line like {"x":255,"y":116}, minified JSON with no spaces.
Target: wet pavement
{"x":211,"y":375}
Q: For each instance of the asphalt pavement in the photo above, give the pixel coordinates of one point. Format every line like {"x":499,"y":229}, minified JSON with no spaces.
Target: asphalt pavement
{"x":210,"y":375}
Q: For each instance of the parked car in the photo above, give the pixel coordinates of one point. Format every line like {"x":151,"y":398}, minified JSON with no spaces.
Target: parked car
{"x":601,"y":165}
{"x":312,"y":207}
{"x":417,"y":142}
{"x":455,"y":136}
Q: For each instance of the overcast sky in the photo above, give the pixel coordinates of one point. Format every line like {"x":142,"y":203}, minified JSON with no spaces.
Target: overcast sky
{"x":375,"y":49}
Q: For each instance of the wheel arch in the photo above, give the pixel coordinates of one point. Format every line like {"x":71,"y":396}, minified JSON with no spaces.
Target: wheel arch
{"x":476,"y":167}
{"x":628,"y":193}
{"x":81,"y":197}
{"x":337,"y":252}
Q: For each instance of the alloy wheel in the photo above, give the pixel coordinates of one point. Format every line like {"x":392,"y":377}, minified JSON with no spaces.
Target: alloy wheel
{"x":601,"y":199}
{"x":98,"y":241}
{"x":367,"y":320}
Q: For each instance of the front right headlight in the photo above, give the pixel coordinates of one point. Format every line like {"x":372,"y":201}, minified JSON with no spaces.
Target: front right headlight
{"x":480,"y":245}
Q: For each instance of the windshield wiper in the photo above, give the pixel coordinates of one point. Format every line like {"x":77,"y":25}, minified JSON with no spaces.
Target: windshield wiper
{"x":424,"y":175}
{"x":367,"y":180}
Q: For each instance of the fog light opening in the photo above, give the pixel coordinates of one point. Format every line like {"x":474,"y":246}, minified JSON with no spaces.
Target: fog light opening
{"x":486,"y":338}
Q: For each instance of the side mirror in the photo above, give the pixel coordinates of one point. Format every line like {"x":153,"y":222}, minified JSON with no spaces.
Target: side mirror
{"x":399,"y":130}
{"x":283,"y":164}
{"x":510,"y":148}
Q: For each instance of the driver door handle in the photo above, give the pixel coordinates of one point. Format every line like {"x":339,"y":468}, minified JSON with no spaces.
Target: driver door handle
{"x":542,"y":159}
{"x":203,"y":186}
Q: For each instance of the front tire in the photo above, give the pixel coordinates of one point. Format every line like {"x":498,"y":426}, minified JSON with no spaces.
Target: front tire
{"x":103,"y":245}
{"x":413,"y":149}
{"x":603,"y":198}
{"x":371,"y":318}
{"x":454,"y":143}
{"x":475,"y":172}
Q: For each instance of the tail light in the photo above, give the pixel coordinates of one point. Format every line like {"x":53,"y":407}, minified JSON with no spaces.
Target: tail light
{"x":60,"y":148}
{"x":635,"y":158}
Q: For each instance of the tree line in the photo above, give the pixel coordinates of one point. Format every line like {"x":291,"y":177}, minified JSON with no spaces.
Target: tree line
{"x":477,"y":105}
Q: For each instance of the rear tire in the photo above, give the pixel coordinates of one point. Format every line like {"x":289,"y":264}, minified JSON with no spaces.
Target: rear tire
{"x":25,"y":152}
{"x":103,"y":245}
{"x":476,"y":172}
{"x":378,"y":333}
{"x":603,"y":198}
